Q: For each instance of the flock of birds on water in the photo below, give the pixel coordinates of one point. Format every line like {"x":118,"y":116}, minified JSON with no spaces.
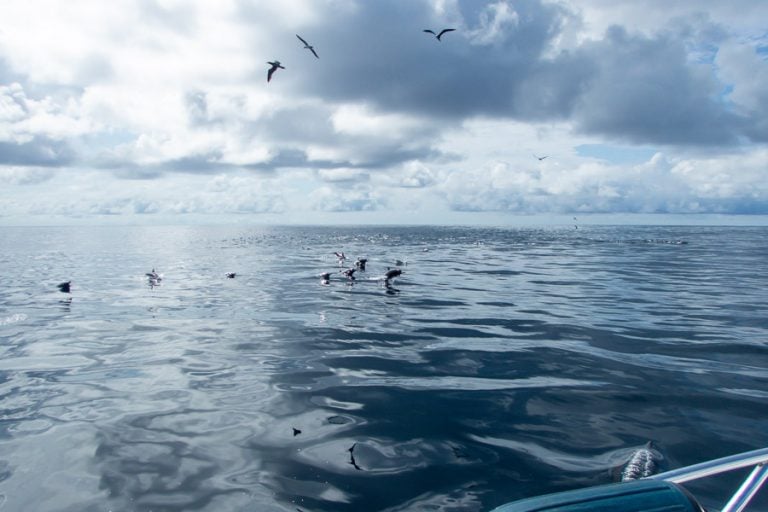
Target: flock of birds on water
{"x":155,"y":279}
{"x":641,"y":463}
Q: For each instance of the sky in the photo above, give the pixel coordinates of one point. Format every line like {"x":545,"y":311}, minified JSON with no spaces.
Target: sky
{"x":154,"y":111}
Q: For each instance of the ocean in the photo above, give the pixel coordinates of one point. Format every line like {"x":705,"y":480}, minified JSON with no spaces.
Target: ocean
{"x":503,"y":363}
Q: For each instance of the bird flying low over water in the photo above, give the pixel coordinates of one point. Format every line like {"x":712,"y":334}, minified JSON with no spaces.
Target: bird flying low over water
{"x":276,"y":64}
{"x":391,"y":274}
{"x":65,"y":287}
{"x":308,"y":46}
{"x":438,"y":36}
{"x":540,"y":158}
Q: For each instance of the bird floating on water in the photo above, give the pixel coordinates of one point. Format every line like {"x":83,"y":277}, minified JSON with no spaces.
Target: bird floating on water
{"x":65,"y":287}
{"x":308,"y":46}
{"x":276,"y":64}
{"x":439,"y":35}
{"x":350,"y":273}
{"x":231,"y":275}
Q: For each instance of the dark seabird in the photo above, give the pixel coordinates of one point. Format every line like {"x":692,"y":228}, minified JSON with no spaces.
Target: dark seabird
{"x":350,"y":273}
{"x":64,"y":287}
{"x":154,"y":276}
{"x":441,"y":32}
{"x":540,"y":158}
{"x":296,"y":431}
{"x":231,"y":275}
{"x":391,"y":274}
{"x":325,"y":278}
{"x":360,"y":263}
{"x":307,"y":46}
{"x":275,"y":65}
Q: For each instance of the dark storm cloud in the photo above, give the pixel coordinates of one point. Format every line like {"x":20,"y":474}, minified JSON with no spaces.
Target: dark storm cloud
{"x":638,"y":88}
{"x":383,"y":57}
{"x":644,"y":90}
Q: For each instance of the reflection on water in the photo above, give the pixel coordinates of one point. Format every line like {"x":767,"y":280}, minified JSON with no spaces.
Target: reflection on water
{"x":502,"y":363}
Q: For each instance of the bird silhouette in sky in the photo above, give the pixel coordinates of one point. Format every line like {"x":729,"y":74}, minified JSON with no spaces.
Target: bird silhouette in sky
{"x":275,"y":65}
{"x":308,"y":46}
{"x":540,"y":158}
{"x":438,"y":36}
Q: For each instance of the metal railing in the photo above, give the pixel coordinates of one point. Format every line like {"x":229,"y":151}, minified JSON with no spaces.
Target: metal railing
{"x":746,"y":491}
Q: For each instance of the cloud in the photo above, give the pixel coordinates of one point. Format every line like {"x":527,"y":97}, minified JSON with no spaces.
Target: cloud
{"x":155,"y":101}
{"x":659,"y":185}
{"x":11,"y":175}
{"x":329,"y":199}
{"x":644,"y":90}
{"x":40,"y":151}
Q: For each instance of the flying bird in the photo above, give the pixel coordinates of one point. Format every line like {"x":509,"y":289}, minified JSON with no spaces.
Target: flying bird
{"x":438,"y":36}
{"x":308,"y":46}
{"x":275,"y":65}
{"x":65,"y":287}
{"x":540,"y":158}
{"x":391,"y":274}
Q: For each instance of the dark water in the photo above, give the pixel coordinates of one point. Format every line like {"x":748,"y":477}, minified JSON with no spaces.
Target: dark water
{"x":504,"y":363}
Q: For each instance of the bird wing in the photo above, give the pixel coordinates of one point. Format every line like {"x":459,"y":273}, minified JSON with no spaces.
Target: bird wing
{"x":300,"y":39}
{"x":270,"y":72}
{"x":314,"y":52}
{"x":444,"y":31}
{"x":430,"y":31}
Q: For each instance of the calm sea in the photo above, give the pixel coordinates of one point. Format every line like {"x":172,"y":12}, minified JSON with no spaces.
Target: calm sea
{"x":503,"y":363}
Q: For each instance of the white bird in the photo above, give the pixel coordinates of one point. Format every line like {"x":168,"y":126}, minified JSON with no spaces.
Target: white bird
{"x":438,"y":36}
{"x":308,"y":46}
{"x":275,"y":65}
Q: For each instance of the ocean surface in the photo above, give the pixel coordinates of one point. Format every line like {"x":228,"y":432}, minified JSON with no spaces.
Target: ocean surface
{"x":503,"y":363}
